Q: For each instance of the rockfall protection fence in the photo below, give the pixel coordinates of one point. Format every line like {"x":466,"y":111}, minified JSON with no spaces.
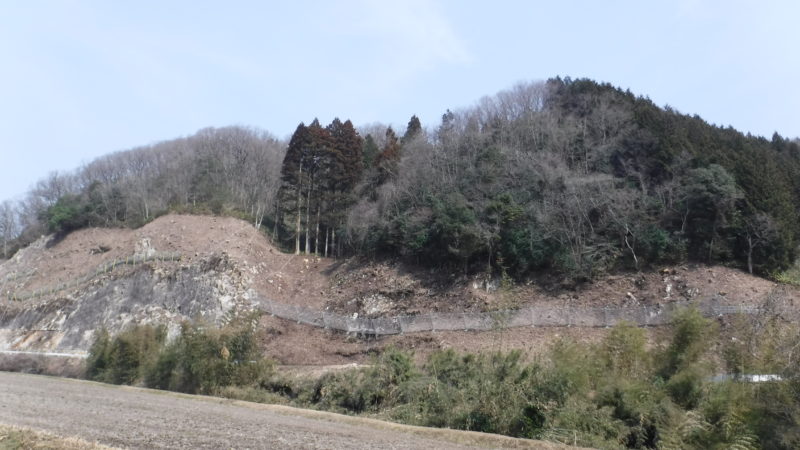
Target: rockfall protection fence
{"x":534,"y":316}
{"x":100,"y":270}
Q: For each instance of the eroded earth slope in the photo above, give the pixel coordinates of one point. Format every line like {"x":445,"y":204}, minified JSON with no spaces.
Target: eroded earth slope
{"x":227,"y":267}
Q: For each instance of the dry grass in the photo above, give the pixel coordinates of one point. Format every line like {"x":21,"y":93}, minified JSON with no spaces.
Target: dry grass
{"x":12,"y":438}
{"x":466,"y":438}
{"x":43,"y":365}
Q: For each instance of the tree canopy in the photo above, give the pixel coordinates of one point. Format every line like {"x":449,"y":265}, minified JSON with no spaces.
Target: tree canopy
{"x":572,"y":176}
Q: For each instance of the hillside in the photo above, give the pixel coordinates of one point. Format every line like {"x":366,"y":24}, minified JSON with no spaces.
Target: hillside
{"x":568,"y":179}
{"x":227,"y":267}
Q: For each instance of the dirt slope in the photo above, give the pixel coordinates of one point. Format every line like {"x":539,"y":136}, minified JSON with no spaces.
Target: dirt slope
{"x":233,"y":264}
{"x":194,"y":237}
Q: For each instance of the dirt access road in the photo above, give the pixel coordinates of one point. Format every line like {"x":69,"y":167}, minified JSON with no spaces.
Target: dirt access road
{"x":143,"y":418}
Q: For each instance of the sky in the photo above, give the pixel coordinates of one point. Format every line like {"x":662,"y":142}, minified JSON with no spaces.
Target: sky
{"x":80,"y":79}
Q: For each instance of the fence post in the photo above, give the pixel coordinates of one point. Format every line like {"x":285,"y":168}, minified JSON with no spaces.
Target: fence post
{"x":533,"y":316}
{"x":297,"y":311}
{"x":464,"y":319}
{"x":646,"y":316}
{"x":433,"y":327}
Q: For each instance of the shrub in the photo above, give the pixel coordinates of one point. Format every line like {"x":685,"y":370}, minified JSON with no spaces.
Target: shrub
{"x":366,"y":389}
{"x":122,"y":360}
{"x":203,"y":359}
{"x":686,"y":386}
{"x":691,"y":334}
{"x":623,"y":351}
{"x":200,"y":360}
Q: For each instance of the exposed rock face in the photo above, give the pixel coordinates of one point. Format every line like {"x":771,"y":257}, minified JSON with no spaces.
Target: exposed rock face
{"x":159,"y":293}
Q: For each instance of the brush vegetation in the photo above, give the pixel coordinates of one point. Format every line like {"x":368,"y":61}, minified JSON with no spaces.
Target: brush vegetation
{"x":619,"y":393}
{"x":200,"y":360}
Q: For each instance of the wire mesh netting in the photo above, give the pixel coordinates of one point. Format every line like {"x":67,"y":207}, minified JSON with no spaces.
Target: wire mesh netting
{"x":536,"y":316}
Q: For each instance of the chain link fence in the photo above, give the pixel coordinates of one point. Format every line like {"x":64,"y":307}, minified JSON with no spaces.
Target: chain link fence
{"x":535,"y":316}
{"x":100,"y":270}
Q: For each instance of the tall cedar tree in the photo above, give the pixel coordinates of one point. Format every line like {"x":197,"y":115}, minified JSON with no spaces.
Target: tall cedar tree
{"x":321,"y":167}
{"x":370,"y":150}
{"x":306,"y":158}
{"x":413,"y":129}
{"x":318,"y":173}
{"x":293,"y":174}
{"x":345,"y":171}
{"x":388,"y":158}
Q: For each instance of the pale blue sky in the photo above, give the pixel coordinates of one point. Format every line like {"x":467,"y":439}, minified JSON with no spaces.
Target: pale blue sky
{"x":80,"y":79}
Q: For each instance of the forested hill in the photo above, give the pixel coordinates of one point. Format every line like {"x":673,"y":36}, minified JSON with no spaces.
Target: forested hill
{"x":569,"y":176}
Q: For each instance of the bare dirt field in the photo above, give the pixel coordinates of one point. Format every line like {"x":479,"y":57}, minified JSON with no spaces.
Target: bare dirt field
{"x":140,"y":418}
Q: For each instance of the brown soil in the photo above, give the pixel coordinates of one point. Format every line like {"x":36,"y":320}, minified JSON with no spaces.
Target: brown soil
{"x":303,"y":347}
{"x":377,"y":289}
{"x":371,"y":288}
{"x":281,"y":277}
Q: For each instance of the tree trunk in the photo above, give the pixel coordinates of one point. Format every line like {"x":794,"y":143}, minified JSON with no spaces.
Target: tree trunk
{"x":316,"y":231}
{"x":750,"y":254}
{"x":299,"y":210}
{"x":333,"y":243}
{"x":713,"y":237}
{"x":327,"y":232}
{"x":275,"y":225}
{"x":685,"y":219}
{"x":308,"y":217}
{"x":630,"y":247}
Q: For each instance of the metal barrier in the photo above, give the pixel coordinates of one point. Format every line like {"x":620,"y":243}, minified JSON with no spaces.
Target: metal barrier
{"x":535,"y":316}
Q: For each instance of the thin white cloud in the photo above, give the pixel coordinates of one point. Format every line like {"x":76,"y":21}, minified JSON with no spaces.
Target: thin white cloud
{"x":418,"y":29}
{"x":397,"y":45}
